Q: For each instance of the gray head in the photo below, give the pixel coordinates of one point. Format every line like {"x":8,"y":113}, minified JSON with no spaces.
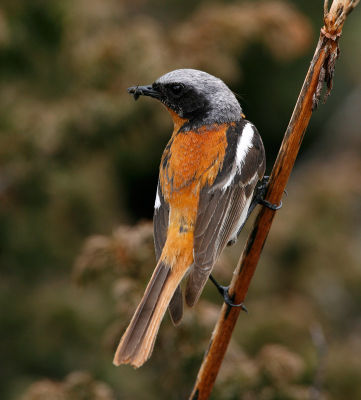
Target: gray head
{"x":194,"y":95}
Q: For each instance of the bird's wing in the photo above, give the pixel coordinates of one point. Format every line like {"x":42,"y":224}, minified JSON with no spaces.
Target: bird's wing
{"x":223,"y":206}
{"x":160,"y":223}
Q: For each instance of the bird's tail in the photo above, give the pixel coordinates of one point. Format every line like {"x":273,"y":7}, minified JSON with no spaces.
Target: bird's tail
{"x":137,"y":343}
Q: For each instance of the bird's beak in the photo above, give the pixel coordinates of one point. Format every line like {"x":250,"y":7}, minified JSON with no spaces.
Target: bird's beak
{"x":137,"y":91}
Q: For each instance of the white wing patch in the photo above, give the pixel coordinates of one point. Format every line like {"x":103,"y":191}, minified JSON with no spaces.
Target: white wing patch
{"x":244,"y":145}
{"x":229,"y":181}
{"x":157,"y":200}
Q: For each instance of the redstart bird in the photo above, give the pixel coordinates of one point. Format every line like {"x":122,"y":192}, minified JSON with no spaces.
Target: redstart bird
{"x":209,"y":171}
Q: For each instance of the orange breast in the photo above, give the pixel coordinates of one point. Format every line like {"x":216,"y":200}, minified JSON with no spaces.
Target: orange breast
{"x":191,"y":160}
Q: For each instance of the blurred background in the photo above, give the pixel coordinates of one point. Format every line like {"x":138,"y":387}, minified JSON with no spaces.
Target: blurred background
{"x":78,"y":172}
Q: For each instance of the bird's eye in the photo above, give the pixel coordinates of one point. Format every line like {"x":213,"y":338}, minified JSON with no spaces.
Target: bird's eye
{"x":177,"y":88}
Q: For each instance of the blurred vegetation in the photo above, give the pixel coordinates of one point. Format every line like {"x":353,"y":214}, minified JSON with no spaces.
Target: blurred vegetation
{"x":78,"y":172}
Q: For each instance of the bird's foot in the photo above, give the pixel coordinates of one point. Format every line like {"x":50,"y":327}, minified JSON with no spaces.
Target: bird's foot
{"x":223,"y":290}
{"x":261,"y":190}
{"x":271,"y":206}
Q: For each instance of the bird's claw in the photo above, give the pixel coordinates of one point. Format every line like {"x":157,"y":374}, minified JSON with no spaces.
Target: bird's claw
{"x":223,"y":290}
{"x":229,"y":302}
{"x":270,"y":205}
{"x":262,"y":188}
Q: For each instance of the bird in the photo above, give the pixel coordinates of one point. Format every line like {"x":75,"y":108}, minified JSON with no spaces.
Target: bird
{"x":211,"y":176}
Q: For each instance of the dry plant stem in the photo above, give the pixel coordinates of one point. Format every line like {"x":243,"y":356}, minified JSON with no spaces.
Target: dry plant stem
{"x":320,"y":71}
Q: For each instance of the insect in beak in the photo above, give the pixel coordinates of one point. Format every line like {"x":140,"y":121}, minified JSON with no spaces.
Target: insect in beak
{"x":137,"y":91}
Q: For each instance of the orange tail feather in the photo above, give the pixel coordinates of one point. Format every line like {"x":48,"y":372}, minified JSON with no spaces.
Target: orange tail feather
{"x":137,"y":343}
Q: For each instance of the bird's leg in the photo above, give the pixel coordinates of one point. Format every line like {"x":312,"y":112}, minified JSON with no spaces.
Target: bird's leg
{"x":223,"y":290}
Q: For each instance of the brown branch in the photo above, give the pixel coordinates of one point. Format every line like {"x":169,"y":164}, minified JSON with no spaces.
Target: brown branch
{"x":321,"y":70}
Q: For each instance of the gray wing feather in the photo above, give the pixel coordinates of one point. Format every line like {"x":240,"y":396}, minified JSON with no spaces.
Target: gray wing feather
{"x":212,"y":235}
